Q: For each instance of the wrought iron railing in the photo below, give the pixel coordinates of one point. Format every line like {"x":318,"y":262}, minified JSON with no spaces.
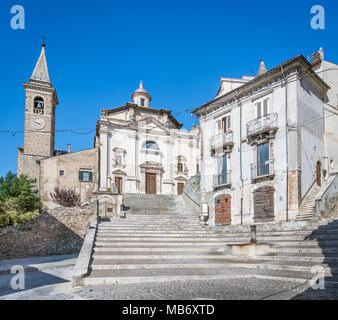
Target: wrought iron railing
{"x":261,"y":124}
{"x":221,"y":139}
{"x":262,"y":169}
{"x":222,"y":179}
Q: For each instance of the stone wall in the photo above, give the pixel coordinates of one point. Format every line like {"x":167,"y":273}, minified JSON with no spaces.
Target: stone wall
{"x":70,"y":164}
{"x":192,"y":189}
{"x":55,"y":232}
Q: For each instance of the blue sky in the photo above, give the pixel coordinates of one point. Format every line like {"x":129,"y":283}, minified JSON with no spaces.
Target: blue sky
{"x":98,"y":51}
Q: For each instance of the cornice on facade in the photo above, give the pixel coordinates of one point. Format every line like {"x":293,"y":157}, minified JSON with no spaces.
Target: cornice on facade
{"x":298,"y":63}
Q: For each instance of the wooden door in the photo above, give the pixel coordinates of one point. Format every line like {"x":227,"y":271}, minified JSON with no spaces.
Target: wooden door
{"x":119,"y":184}
{"x":150,"y":183}
{"x":223,"y":210}
{"x":180,"y":187}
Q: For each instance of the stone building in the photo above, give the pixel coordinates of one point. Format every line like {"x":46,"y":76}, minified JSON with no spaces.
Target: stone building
{"x":37,"y":158}
{"x":267,"y":144}
{"x":145,"y":150}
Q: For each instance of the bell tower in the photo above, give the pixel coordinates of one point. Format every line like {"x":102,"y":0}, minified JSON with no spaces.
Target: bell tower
{"x":40,"y":105}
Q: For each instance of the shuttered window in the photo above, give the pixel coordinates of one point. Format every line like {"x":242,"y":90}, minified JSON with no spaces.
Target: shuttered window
{"x":86,"y":176}
{"x":262,"y":108}
{"x":264,"y":204}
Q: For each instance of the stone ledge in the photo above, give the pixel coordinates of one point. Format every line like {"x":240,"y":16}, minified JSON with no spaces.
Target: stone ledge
{"x":82,"y":264}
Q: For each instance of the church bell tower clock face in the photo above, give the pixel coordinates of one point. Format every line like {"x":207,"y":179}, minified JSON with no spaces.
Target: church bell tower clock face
{"x":38,"y":123}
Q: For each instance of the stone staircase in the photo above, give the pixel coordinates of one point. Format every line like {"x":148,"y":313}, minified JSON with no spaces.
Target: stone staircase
{"x":307,"y":209}
{"x":161,"y":240}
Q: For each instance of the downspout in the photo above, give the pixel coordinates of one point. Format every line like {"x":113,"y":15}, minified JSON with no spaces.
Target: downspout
{"x":286,"y":146}
{"x":240,"y":154}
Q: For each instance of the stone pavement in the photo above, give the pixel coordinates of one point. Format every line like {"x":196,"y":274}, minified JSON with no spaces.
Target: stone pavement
{"x":43,"y":276}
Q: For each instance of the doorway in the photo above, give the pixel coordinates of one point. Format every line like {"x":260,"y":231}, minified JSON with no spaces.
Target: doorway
{"x":319,"y":173}
{"x":150,"y":183}
{"x":119,"y":184}
{"x":223,"y":210}
{"x":180,"y":187}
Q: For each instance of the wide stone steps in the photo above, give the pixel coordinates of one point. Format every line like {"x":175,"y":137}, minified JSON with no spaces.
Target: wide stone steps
{"x":153,"y":245}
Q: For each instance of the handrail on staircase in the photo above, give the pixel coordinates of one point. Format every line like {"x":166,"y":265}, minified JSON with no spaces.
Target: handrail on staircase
{"x":307,"y":192}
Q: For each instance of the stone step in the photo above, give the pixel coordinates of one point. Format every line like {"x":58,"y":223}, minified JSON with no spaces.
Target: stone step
{"x":168,"y":235}
{"x":142,"y":250}
{"x":321,"y":237}
{"x":157,"y":243}
{"x":164,"y":246}
{"x":163,"y":273}
{"x":150,"y":232}
{"x":161,"y":240}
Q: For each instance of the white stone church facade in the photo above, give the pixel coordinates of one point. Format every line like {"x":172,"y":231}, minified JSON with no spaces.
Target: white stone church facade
{"x":145,"y":150}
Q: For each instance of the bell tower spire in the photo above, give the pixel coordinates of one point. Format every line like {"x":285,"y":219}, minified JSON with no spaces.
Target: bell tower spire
{"x":39,"y":136}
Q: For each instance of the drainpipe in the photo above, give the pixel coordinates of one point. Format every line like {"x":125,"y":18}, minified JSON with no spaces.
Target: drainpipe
{"x":240,"y":154}
{"x":286,"y":144}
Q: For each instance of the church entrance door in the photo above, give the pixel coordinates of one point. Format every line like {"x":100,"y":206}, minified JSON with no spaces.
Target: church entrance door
{"x":150,"y":183}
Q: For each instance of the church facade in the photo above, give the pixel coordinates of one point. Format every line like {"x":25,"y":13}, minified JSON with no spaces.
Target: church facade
{"x":145,"y":150}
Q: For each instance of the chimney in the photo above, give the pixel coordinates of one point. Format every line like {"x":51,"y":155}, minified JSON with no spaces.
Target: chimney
{"x":69,"y":148}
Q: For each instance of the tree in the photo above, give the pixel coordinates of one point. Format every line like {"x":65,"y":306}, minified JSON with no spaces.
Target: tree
{"x":19,"y":200}
{"x":20,"y":188}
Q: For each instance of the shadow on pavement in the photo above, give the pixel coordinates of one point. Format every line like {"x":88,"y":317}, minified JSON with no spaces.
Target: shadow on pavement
{"x":327,"y":247}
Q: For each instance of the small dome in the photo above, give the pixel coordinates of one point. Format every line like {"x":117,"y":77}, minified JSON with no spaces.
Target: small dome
{"x":141,"y":96}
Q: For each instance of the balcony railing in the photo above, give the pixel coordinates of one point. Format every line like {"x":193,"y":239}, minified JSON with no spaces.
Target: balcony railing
{"x":222,"y":179}
{"x":262,"y":169}
{"x":264,"y":123}
{"x":221,"y":139}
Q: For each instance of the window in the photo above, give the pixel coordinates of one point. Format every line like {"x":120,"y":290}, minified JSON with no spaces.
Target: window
{"x":180,"y":167}
{"x":263,"y":159}
{"x":224,"y":125}
{"x":222,"y":169}
{"x":62,"y":173}
{"x":142,"y":102}
{"x":86,"y":176}
{"x":151,"y":145}
{"x":262,"y":108}
{"x":38,"y":106}
{"x":118,"y":159}
{"x":119,"y":184}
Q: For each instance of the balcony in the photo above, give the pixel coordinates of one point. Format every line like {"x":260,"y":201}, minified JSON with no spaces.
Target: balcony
{"x":222,"y":140}
{"x":262,"y":170}
{"x":222,"y":180}
{"x":265,"y":124}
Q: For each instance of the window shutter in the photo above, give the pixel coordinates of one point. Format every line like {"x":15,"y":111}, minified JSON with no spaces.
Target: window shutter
{"x":259,"y":113}
{"x":91,"y":176}
{"x":265,"y":106}
{"x":80,"y":175}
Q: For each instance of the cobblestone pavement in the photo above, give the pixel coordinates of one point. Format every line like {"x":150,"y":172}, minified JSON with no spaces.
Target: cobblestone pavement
{"x":231,"y":289}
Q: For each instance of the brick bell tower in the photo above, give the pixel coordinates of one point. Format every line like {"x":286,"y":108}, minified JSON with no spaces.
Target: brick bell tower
{"x":41,"y":102}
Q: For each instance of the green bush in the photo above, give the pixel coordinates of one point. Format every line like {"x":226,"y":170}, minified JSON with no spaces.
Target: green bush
{"x":19,"y":201}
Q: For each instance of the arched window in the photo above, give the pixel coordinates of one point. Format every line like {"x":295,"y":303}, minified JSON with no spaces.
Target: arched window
{"x":150,"y":145}
{"x":38,"y":105}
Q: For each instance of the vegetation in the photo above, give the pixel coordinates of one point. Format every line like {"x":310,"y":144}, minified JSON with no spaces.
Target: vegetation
{"x":19,"y":200}
{"x":66,"y":197}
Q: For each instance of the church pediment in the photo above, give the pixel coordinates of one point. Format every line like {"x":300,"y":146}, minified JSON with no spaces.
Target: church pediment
{"x":120,"y":172}
{"x":149,"y":124}
{"x":151,"y":165}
